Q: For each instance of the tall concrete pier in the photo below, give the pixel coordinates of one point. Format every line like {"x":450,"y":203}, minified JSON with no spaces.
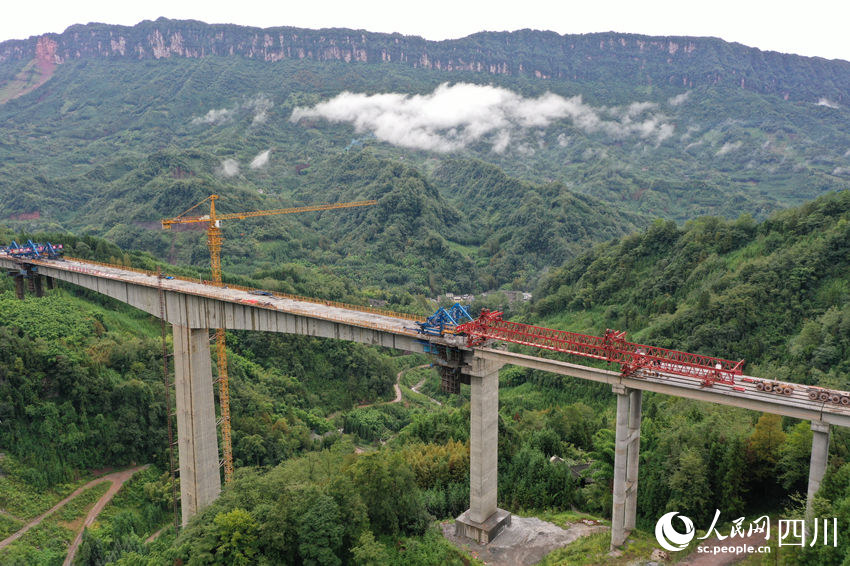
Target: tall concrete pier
{"x":626,"y":454}
{"x":483,"y":521}
{"x":197,"y":441}
{"x":817,"y":464}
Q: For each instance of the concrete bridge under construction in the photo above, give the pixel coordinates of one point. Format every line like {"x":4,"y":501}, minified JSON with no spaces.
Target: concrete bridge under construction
{"x":193,"y":307}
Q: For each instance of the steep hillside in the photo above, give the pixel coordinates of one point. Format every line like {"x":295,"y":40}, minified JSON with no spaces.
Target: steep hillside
{"x":774,"y":293}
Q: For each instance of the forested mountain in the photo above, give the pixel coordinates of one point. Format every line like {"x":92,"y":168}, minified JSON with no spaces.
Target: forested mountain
{"x":775,"y":293}
{"x":107,"y":129}
{"x":594,"y":57}
{"x":579,"y":167}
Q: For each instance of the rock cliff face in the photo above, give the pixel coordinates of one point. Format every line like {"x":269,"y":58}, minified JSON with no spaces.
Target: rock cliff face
{"x":685,"y":62}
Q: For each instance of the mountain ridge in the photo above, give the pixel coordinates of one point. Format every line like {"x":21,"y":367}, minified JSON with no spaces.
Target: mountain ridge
{"x":675,"y":61}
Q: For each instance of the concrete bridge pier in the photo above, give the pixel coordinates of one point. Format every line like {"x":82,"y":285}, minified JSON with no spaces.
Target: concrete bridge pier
{"x":20,"y":289}
{"x":817,"y":464}
{"x":626,"y":454}
{"x":483,"y":521}
{"x":197,"y":440}
{"x":37,"y":284}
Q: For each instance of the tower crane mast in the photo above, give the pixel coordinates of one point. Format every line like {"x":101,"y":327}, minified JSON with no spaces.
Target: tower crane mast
{"x":214,"y":239}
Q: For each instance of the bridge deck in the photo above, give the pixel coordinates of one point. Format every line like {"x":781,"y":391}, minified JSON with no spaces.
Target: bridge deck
{"x":327,"y":310}
{"x":403,"y":329}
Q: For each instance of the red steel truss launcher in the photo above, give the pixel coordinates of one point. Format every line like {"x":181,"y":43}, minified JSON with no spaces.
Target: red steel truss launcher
{"x":611,"y":347}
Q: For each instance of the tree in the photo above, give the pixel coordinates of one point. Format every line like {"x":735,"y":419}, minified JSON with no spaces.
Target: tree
{"x":236,"y":533}
{"x":602,"y":470}
{"x":763,"y":454}
{"x":765,"y":441}
{"x":689,"y":485}
{"x":319,"y":530}
{"x":794,"y":455}
{"x":388,"y":488}
{"x":369,"y":552}
{"x":253,"y":447}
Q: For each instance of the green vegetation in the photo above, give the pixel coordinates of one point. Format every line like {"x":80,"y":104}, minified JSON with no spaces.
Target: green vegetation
{"x":77,"y":507}
{"x":595,"y":549}
{"x":773,"y":293}
{"x":21,"y":499}
{"x":87,"y":158}
{"x":44,"y":545}
{"x":329,"y":472}
{"x":141,"y":508}
{"x":299,"y":478}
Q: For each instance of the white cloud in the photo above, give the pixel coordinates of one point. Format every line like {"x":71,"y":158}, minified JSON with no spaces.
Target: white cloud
{"x":258,"y":107}
{"x":220,"y":116}
{"x":841,"y":171}
{"x":454,"y":116}
{"x":678,"y":99}
{"x":261,"y":160}
{"x":688,"y":134}
{"x":727,"y":147}
{"x":229,"y":168}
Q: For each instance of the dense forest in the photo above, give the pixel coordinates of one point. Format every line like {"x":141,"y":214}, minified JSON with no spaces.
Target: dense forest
{"x":145,"y":138}
{"x":299,"y":475}
{"x":709,"y":214}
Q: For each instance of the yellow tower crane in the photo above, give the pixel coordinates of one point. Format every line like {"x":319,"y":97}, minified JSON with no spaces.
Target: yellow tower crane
{"x":214,"y":239}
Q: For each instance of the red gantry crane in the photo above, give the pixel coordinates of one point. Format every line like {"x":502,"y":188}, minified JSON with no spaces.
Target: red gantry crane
{"x":637,"y":360}
{"x":610,"y":347}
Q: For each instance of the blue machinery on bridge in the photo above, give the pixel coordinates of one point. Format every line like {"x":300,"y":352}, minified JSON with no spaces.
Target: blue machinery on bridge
{"x":462,"y":346}
{"x":32,"y":251}
{"x":445,"y":321}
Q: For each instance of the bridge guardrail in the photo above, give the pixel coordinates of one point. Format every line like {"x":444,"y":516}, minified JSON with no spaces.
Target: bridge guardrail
{"x":361,"y":308}
{"x":359,"y":323}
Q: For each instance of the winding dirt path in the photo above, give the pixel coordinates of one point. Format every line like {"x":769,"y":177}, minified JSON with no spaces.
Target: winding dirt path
{"x":396,"y":387}
{"x":117,"y":479}
{"x":155,"y":536}
{"x":416,"y":387}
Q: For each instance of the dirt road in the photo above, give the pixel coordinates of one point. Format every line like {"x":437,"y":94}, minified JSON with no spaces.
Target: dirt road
{"x":397,"y":387}
{"x":416,"y":387}
{"x":117,"y":479}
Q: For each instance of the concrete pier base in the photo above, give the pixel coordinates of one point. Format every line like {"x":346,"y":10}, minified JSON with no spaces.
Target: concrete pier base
{"x":626,"y":457}
{"x":197,"y":441}
{"x":484,"y":532}
{"x":817,"y":464}
{"x":483,"y":520}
